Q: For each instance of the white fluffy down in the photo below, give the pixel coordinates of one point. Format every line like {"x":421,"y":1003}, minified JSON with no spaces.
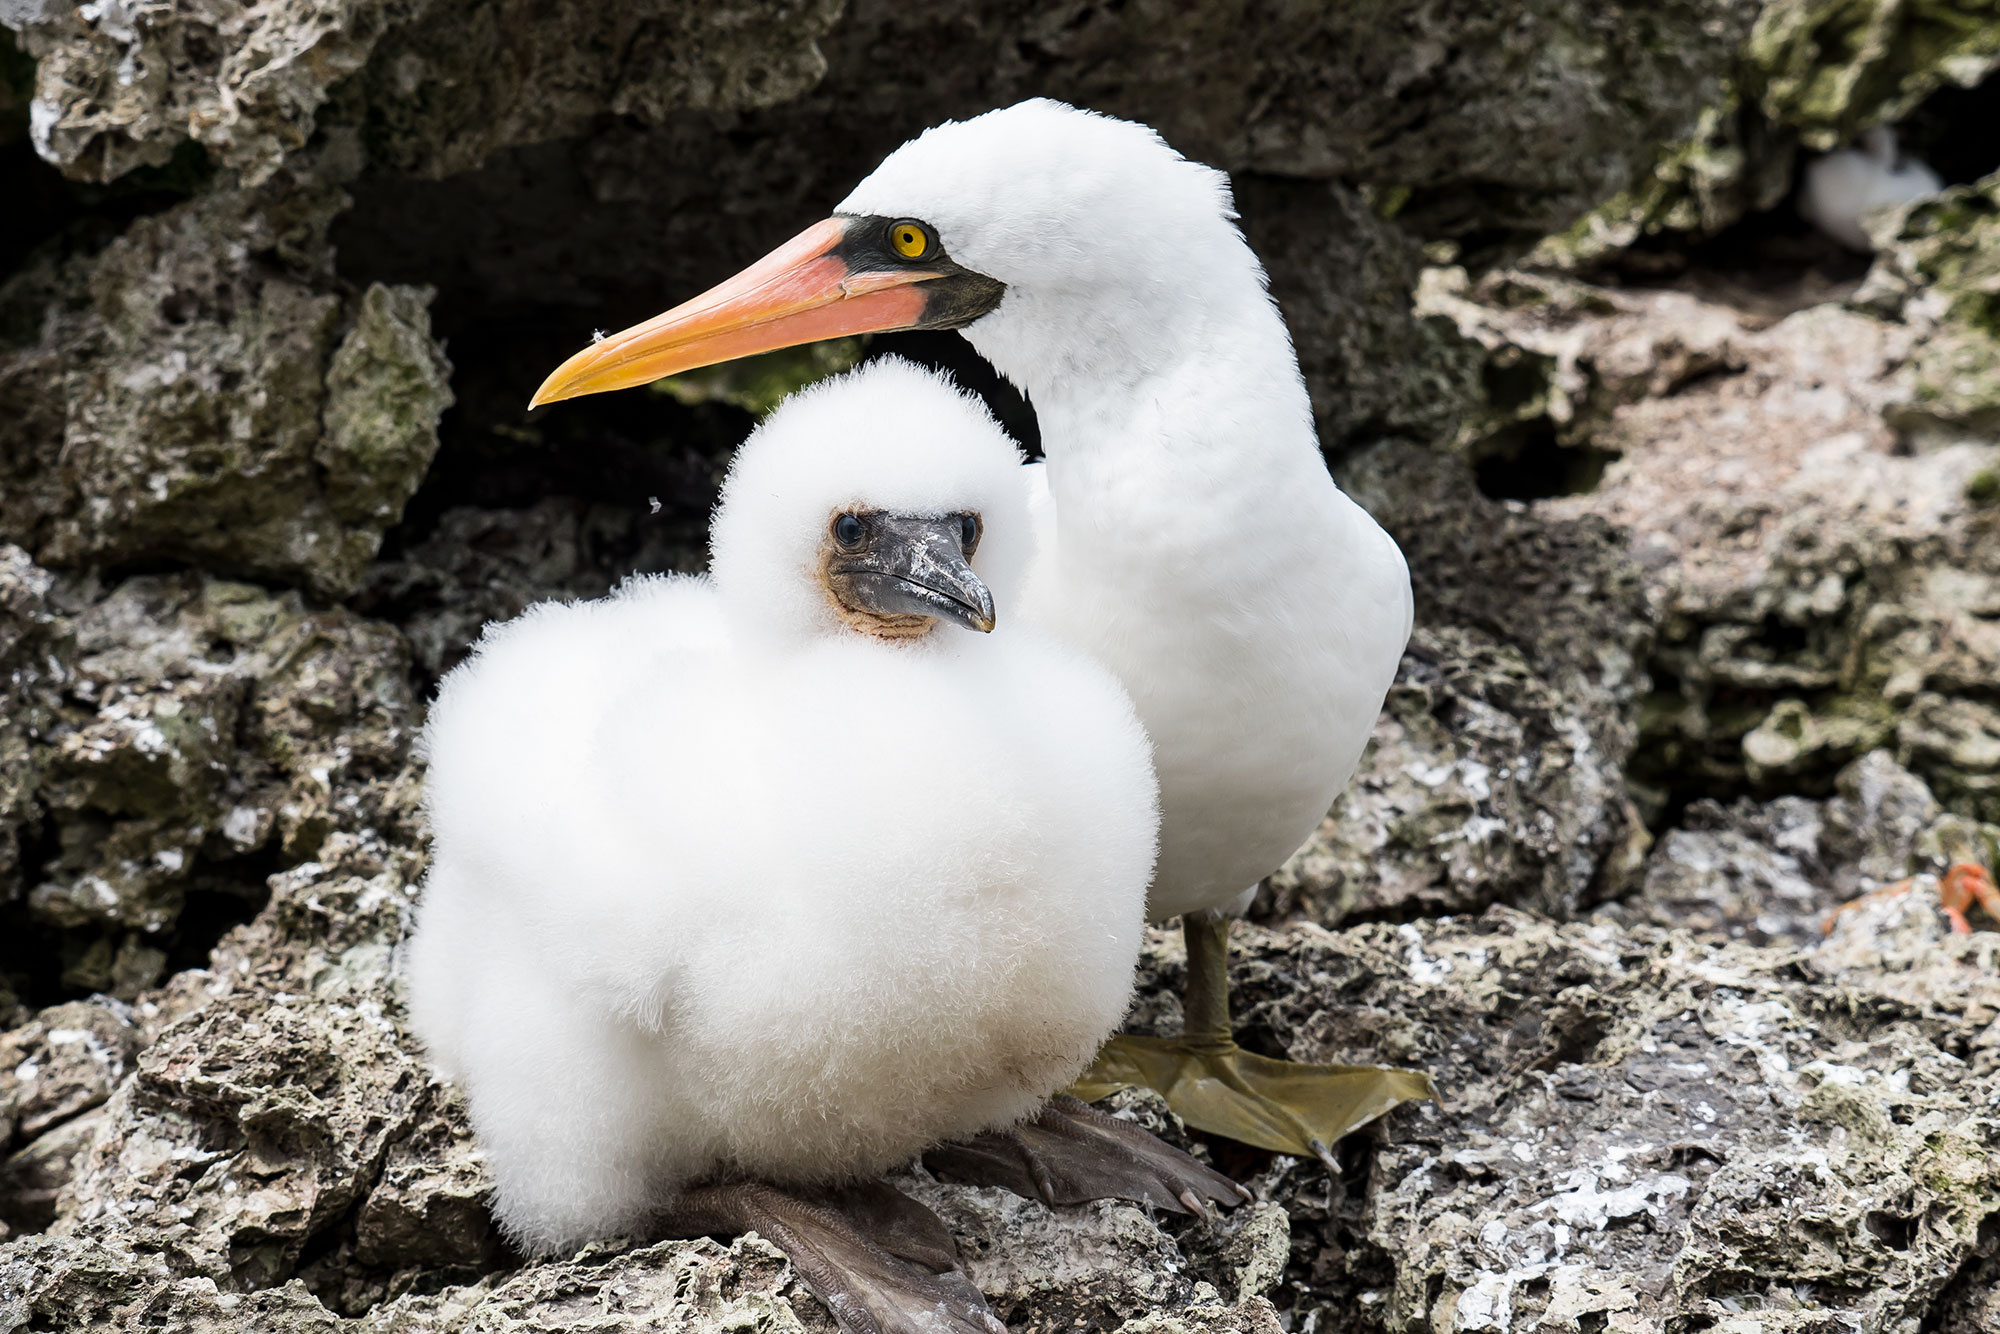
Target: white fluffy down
{"x":720,"y":886}
{"x":1840,"y":190}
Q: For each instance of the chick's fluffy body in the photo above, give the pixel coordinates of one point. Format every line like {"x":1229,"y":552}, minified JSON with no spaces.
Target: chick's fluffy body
{"x":722,"y":887}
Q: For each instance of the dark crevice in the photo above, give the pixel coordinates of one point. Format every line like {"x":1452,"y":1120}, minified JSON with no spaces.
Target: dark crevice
{"x":30,"y":953}
{"x":624,"y":449}
{"x":1256,"y":1036}
{"x":321,"y":1245}
{"x":167,"y":567}
{"x":330,"y":1269}
{"x":529,"y":256}
{"x":1702,"y":376}
{"x":1528,"y":462}
{"x":38,"y":960}
{"x":45,"y":209}
{"x":31,"y":960}
{"x":1957,"y":1309}
{"x":215,"y":909}
{"x":1952,"y":131}
{"x":527,"y":263}
{"x":1765,"y":257}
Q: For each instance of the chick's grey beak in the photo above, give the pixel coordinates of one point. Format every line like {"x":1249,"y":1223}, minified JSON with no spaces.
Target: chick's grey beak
{"x":914,"y":567}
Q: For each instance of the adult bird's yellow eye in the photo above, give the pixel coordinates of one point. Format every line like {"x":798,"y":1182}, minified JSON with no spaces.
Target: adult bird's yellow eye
{"x":910,"y":239}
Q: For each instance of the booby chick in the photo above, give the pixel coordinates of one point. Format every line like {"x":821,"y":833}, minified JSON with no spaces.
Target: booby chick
{"x":1192,"y":540}
{"x":1840,"y":190}
{"x":784,"y":874}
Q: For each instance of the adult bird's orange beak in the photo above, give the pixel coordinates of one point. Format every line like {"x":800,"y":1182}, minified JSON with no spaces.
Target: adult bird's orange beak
{"x":803,"y":291}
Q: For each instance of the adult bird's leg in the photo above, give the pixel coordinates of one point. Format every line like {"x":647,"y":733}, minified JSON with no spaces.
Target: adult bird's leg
{"x":881,"y":1262}
{"x":1214,"y":1085}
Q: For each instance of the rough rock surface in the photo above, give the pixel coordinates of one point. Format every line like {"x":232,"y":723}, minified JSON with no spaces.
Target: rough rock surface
{"x":1342,"y":276}
{"x":1940,"y":273}
{"x":121,"y":85}
{"x":1635,"y":1123}
{"x":1832,"y":70}
{"x":1310,"y":93}
{"x":201,"y":390}
{"x":1822,"y":591}
{"x":1773,"y":872}
{"x":449,"y":90}
{"x":1497,"y":770}
{"x":195,"y":730}
{"x":1353,"y":134}
{"x":34,"y":644}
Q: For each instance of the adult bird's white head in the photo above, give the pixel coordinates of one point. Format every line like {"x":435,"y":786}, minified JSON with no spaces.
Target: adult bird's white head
{"x":1071,"y":248}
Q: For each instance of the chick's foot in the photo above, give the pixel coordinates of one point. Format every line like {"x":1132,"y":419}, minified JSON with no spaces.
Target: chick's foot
{"x":1072,"y":1153}
{"x":881,"y":1262}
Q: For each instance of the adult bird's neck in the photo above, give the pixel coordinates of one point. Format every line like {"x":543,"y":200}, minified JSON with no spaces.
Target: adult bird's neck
{"x":1198,"y":417}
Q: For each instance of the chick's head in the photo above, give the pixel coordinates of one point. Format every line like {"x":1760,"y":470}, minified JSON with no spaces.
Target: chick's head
{"x":884,"y":502}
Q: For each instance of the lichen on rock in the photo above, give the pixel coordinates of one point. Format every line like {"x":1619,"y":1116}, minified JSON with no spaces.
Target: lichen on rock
{"x":1831,"y":68}
{"x":1810,"y":77}
{"x":1940,"y":272}
{"x":201,"y":390}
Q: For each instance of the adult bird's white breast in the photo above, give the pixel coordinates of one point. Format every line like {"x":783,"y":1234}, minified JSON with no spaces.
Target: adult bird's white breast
{"x":1191,"y":539}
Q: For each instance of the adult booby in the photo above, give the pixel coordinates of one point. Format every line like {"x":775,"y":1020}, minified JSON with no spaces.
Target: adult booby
{"x":782,"y":875}
{"x":1189,"y":536}
{"x":1840,"y":189}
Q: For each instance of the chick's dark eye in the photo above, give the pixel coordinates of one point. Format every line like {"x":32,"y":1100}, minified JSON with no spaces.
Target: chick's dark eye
{"x":968,"y":532}
{"x":848,"y":531}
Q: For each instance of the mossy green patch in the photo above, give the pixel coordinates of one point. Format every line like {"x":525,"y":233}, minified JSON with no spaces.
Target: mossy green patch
{"x":1831,"y":68}
{"x":1813,"y":74}
{"x":1949,"y":247}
